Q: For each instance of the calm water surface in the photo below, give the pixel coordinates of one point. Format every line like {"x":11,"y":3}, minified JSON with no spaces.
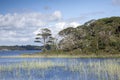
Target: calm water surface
{"x":17,"y":52}
{"x":57,"y":68}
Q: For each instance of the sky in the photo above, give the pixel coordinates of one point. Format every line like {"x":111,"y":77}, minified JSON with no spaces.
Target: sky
{"x":21,"y":20}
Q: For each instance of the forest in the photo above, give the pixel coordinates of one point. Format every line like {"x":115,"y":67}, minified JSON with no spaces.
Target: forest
{"x":95,"y":36}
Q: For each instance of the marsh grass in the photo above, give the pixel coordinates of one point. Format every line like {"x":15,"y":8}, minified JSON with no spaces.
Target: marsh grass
{"x":92,"y":70}
{"x":106,"y":70}
{"x":29,"y":65}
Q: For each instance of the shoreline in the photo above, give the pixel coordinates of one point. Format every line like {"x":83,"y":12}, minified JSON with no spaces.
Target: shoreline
{"x":63,"y":56}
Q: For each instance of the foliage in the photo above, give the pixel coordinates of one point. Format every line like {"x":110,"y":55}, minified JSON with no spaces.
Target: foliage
{"x":45,"y":37}
{"x":94,"y":36}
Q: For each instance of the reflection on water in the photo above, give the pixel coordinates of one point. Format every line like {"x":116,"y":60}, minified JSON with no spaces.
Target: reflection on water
{"x":59,"y":69}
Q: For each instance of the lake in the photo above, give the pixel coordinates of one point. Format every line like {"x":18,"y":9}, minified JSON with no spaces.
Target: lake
{"x":59,"y":68}
{"x":17,"y":52}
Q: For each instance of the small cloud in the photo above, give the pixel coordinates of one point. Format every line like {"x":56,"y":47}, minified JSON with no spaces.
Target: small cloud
{"x":74,"y":24}
{"x":62,"y":25}
{"x":57,"y":14}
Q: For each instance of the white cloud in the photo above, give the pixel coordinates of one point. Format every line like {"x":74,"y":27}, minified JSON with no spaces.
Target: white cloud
{"x":58,"y":14}
{"x":62,"y":25}
{"x":19,"y":27}
{"x":12,"y":36}
{"x":55,"y":28}
{"x":25,"y":19}
{"x":36,"y":31}
{"x":74,"y":24}
{"x":14,"y":39}
{"x":24,"y":39}
{"x":15,"y":28}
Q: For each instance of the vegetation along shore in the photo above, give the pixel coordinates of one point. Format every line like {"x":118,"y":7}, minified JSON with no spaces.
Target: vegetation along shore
{"x":94,"y":38}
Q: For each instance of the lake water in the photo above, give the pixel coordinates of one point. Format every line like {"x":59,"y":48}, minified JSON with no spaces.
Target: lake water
{"x":17,"y":52}
{"x":59,"y":69}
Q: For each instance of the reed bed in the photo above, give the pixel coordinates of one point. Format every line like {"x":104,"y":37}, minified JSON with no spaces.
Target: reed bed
{"x":37,"y":70}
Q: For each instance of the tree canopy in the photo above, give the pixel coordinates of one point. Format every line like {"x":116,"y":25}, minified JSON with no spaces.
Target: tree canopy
{"x":44,"y":37}
{"x":93,"y":36}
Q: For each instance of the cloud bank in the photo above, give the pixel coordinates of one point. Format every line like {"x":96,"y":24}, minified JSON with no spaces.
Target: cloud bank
{"x":23,"y":27}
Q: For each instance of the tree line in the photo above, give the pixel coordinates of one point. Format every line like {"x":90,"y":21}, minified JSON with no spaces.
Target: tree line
{"x":22,"y":47}
{"x":95,"y":36}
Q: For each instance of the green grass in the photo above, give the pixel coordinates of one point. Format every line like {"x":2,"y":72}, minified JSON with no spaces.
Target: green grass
{"x":67,"y":54}
{"x":73,"y":54}
{"x":29,"y":65}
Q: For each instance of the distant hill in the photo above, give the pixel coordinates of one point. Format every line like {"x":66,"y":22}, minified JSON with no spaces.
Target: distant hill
{"x":23,"y":47}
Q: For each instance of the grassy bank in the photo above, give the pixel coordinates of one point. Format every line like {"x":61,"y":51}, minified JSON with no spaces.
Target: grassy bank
{"x":63,"y":54}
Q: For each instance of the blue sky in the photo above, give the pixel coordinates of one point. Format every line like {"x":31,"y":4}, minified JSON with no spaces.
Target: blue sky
{"x":69,"y":8}
{"x":20,"y":20}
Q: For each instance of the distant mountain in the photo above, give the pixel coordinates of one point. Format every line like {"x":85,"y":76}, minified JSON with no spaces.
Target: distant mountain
{"x":23,"y":47}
